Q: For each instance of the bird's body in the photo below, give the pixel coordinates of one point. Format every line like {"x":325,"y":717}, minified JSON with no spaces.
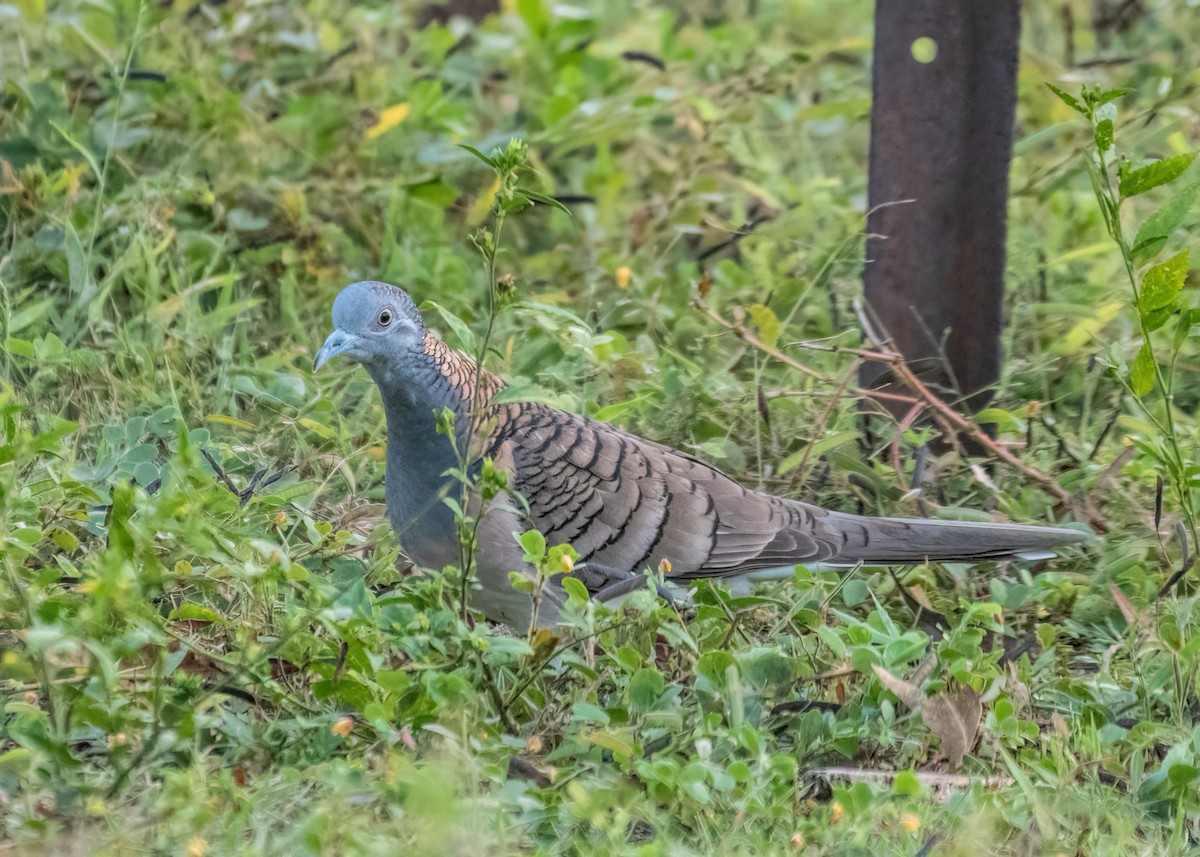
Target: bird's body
{"x":624,"y":503}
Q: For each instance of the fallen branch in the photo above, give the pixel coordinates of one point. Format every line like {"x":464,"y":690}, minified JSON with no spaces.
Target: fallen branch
{"x":937,"y":781}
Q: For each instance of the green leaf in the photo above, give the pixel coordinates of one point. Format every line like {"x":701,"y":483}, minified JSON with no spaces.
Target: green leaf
{"x":534,"y":544}
{"x":618,"y":409}
{"x":1159,"y":225}
{"x":534,"y":196}
{"x":588,"y":712}
{"x":1069,"y":100}
{"x":906,"y":783}
{"x":712,"y":666}
{"x":1104,"y":135}
{"x":644,"y":689}
{"x":816,"y":450}
{"x":462,"y":331}
{"x":1110,"y":95}
{"x":575,"y":589}
{"x":524,"y":390}
{"x":534,"y":14}
{"x":1156,"y":318}
{"x":1162,"y":284}
{"x":1000,"y":418}
{"x":854,"y":592}
{"x":65,"y":539}
{"x":767,"y":323}
{"x":1154,"y":175}
{"x":1141,"y":373}
{"x":21,"y":347}
{"x":16,"y":762}
{"x":195,"y":612}
{"x":491,"y":162}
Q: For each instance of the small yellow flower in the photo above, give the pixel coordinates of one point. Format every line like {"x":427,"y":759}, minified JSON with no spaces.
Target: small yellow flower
{"x":533,"y":744}
{"x":342,"y":726}
{"x":623,"y":275}
{"x":797,"y":841}
{"x":196,"y":847}
{"x":95,"y":806}
{"x":664,"y":566}
{"x":836,"y":811}
{"x":910,"y":822}
{"x":568,"y":563}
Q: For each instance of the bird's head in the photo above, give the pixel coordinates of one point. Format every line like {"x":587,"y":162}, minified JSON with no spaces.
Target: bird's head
{"x":372,"y":322}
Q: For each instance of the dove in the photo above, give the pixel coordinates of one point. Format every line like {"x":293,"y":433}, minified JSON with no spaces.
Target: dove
{"x":626,"y":504}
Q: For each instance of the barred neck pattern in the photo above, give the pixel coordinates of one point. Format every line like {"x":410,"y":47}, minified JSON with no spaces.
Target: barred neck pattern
{"x":461,"y":373}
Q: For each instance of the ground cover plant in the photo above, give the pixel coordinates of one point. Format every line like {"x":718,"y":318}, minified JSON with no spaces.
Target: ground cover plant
{"x":207,"y":644}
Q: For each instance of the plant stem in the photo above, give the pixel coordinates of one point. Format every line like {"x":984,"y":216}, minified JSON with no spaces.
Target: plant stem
{"x":1111,"y":203}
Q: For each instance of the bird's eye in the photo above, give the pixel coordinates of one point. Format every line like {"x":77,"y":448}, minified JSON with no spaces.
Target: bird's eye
{"x":385,"y":317}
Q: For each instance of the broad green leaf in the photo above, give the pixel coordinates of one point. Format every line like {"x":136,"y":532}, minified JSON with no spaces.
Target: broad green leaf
{"x":1104,"y":135}
{"x":588,"y":712}
{"x":1002,"y":419}
{"x":534,"y":544}
{"x":535,"y":15}
{"x":65,"y":539}
{"x":1141,"y":373}
{"x":575,"y":588}
{"x":1159,"y":225}
{"x":1162,"y":283}
{"x":767,"y":323}
{"x":1156,"y":318}
{"x":644,"y":689}
{"x":1153,"y":175}
{"x":713,"y":664}
{"x":854,"y":592}
{"x":21,"y":347}
{"x":16,"y":761}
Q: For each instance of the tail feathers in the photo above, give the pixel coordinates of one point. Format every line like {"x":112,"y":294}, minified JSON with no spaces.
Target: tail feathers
{"x":896,"y":541}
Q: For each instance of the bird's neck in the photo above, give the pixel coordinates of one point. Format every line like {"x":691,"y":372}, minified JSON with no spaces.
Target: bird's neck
{"x":430,"y":378}
{"x":416,"y":389}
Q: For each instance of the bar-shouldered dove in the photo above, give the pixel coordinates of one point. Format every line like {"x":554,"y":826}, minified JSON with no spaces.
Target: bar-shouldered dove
{"x":624,"y":503}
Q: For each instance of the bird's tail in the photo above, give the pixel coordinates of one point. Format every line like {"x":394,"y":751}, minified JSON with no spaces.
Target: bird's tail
{"x":898,"y":541}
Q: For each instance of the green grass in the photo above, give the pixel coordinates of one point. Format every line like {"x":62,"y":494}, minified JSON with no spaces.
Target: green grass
{"x":181,"y":672}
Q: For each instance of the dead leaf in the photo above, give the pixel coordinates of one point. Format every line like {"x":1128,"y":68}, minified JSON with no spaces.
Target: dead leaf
{"x":954,"y":718}
{"x":1123,"y":604}
{"x":1018,"y":692}
{"x":908,"y":693}
{"x":1061,"y":729}
{"x":527,"y":770}
{"x":918,"y":593}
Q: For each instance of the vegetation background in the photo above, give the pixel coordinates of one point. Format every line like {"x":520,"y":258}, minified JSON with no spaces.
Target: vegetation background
{"x":206,"y":644}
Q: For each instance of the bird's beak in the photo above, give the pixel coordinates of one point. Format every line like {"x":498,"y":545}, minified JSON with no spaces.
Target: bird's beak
{"x":337,"y":342}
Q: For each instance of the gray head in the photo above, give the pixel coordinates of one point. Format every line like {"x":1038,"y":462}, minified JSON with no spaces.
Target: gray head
{"x":371,"y":322}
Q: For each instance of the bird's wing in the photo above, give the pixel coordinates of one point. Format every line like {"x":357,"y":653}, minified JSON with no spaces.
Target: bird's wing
{"x":626,"y":504}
